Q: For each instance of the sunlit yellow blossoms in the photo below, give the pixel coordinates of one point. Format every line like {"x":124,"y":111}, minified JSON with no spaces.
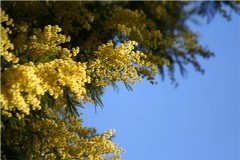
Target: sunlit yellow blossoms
{"x":46,"y":42}
{"x":122,"y":63}
{"x":58,"y":55}
{"x":23,"y":84}
{"x":58,"y":134}
{"x":61,"y":138}
{"x":44,"y":75}
{"x":135,"y":26}
{"x":6,"y":46}
{"x":20,"y":89}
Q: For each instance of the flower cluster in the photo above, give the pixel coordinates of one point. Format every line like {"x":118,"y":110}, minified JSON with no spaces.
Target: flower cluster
{"x":113,"y":63}
{"x":20,"y":89}
{"x":59,"y":73}
{"x":101,"y":145}
{"x":121,"y":64}
{"x":135,"y":26}
{"x":74,"y":12}
{"x":127,"y":21}
{"x":61,"y":138}
{"x":150,"y":69}
{"x":6,"y":46}
{"x":50,"y":68}
{"x":47,"y":42}
{"x":23,"y":84}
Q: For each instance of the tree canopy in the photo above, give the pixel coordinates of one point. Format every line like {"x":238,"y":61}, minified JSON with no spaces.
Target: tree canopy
{"x":56,"y":56}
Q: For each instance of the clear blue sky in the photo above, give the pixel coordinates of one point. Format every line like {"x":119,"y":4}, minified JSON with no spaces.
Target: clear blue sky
{"x":197,"y":120}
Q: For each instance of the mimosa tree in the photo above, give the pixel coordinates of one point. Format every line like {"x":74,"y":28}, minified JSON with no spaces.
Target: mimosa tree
{"x":57,"y":56}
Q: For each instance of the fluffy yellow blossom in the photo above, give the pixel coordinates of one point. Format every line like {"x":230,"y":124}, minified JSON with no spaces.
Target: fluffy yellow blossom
{"x":20,"y":90}
{"x":6,"y":46}
{"x":44,"y":75}
{"x":36,"y":91}
{"x":46,"y":42}
{"x":22,"y":85}
{"x":121,"y":63}
{"x":26,"y":85}
{"x":59,"y":74}
{"x":135,"y":26}
{"x":62,"y":138}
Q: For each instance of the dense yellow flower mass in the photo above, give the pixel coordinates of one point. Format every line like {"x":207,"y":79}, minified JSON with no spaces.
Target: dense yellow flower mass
{"x":135,"y":26}
{"x":58,"y":138}
{"x":68,"y":144}
{"x":61,"y":73}
{"x":56,"y":56}
{"x":46,"y":41}
{"x":122,"y":63}
{"x":20,"y":89}
{"x":6,"y":46}
{"x":44,"y":76}
{"x":23,"y":84}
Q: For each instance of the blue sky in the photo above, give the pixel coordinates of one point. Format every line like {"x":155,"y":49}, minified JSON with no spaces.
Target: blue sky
{"x":197,"y":120}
